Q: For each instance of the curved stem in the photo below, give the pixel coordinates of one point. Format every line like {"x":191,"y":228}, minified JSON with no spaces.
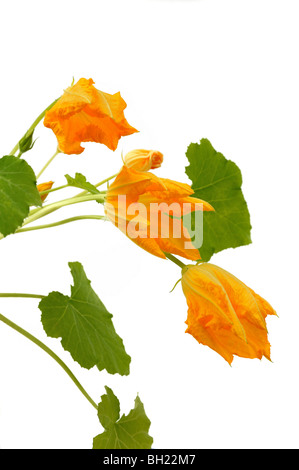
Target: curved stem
{"x":174,"y":260}
{"x":31,"y":296}
{"x":45,"y":210}
{"x":61,"y":222}
{"x":175,"y":285}
{"x":48,"y":163}
{"x":33,"y":125}
{"x":51,"y":353}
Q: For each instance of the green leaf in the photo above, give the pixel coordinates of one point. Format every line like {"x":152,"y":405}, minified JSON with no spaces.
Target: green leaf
{"x":18,"y":192}
{"x":218,"y":181}
{"x":128,"y":432}
{"x":80,"y":182}
{"x":108,"y":409}
{"x":84,"y":325}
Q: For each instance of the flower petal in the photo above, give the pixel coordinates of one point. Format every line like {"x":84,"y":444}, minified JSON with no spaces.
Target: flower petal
{"x":85,"y":114}
{"x":225,"y":314}
{"x":160,"y":221}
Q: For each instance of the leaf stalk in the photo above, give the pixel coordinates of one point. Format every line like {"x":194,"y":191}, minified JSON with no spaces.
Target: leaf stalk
{"x":51,"y":353}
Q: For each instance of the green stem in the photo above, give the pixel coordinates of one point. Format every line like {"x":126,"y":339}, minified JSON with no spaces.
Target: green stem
{"x":51,"y":353}
{"x":46,"y":191}
{"x":48,"y":163}
{"x":98,"y":184}
{"x":61,"y":222}
{"x":106,"y":180}
{"x":174,"y":260}
{"x":37,"y":214}
{"x":32,"y":296}
{"x":175,"y":285}
{"x":34,"y":124}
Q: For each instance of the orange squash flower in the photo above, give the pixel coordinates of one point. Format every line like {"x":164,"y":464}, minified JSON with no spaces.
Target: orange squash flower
{"x":153,"y":229}
{"x":143,"y":160}
{"x":44,"y":187}
{"x":225,"y":314}
{"x":85,"y":114}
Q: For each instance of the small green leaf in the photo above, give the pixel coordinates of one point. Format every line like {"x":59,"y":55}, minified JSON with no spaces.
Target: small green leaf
{"x":128,"y":432}
{"x":18,"y":192}
{"x":108,"y":409}
{"x":218,"y":181}
{"x":80,"y":182}
{"x":85,"y":326}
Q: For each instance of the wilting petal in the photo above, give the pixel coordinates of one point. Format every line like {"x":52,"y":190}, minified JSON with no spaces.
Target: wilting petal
{"x":224,"y":313}
{"x":176,"y":246}
{"x":173,"y":189}
{"x":177,"y":207}
{"x":159,"y":227}
{"x":130,"y":183}
{"x":150,"y":245}
{"x":85,"y":114}
{"x":73,"y":100}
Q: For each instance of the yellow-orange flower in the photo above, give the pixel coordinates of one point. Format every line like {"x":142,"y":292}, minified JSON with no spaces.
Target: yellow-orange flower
{"x":136,"y":202}
{"x":143,"y":160}
{"x":85,"y":114}
{"x":225,"y":314}
{"x":44,"y":187}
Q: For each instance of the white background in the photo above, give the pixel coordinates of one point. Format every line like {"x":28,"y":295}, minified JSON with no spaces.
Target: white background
{"x":226,"y":70}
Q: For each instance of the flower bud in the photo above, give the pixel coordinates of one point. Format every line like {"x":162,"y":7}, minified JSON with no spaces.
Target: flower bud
{"x":143,"y":160}
{"x":44,"y":187}
{"x":26,"y":142}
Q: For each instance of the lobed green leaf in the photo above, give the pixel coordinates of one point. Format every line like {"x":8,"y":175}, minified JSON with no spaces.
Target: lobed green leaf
{"x":80,"y":182}
{"x":128,"y":432}
{"x":84,"y":325}
{"x":218,"y":181}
